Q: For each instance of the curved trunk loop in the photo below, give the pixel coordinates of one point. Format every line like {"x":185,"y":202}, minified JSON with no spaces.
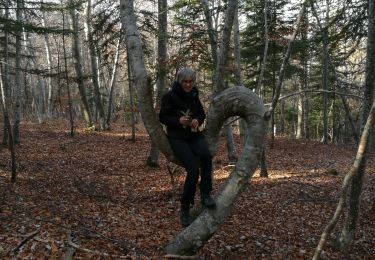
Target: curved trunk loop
{"x":235,"y":101}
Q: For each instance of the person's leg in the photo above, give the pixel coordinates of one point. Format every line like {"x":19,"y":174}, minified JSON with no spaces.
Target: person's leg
{"x":200,"y":149}
{"x":184,"y":153}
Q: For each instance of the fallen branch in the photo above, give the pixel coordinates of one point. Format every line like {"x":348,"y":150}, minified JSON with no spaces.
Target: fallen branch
{"x":23,"y":242}
{"x":95,"y":252}
{"x":70,"y":251}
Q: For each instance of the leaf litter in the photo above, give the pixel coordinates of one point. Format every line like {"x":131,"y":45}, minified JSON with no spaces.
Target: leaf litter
{"x":94,"y":194}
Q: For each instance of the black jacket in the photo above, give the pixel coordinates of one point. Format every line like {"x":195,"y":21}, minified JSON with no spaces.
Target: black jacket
{"x":174,"y":104}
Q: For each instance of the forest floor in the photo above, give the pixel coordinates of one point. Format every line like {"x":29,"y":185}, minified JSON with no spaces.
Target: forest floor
{"x":94,"y":192}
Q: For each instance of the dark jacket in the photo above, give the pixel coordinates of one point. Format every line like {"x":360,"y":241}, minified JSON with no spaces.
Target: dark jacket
{"x":174,"y":104}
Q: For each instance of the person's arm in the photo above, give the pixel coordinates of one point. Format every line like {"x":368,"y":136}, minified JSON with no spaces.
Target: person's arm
{"x":166,"y":115}
{"x":201,"y":115}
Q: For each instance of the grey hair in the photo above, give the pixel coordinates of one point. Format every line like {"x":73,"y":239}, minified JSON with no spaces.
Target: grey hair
{"x":184,"y":73}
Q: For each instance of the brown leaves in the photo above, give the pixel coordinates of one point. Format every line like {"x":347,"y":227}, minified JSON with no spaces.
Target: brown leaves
{"x":97,"y":186}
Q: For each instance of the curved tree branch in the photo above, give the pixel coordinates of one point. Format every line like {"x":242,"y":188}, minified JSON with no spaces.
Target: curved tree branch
{"x":231,"y":102}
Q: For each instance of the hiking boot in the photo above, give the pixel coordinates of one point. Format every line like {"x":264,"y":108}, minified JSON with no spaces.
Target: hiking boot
{"x":185,"y":216}
{"x":208,"y":201}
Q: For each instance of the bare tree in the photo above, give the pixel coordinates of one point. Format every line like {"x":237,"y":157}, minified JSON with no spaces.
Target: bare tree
{"x":352,"y":183}
{"x":161,"y":75}
{"x":76,"y":49}
{"x":5,"y":98}
{"x":94,"y":67}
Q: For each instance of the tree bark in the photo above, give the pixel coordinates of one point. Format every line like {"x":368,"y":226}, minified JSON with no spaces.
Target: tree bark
{"x":218,"y":84}
{"x":18,"y":87}
{"x":286,"y":58}
{"x":5,"y":98}
{"x":220,"y":62}
{"x":95,"y":76}
{"x":349,"y":181}
{"x":265,"y":51}
{"x":76,"y":49}
{"x":113,"y":83}
{"x":49,"y":64}
{"x":231,"y":102}
{"x":71,"y":119}
{"x":161,"y":80}
{"x":347,"y":232}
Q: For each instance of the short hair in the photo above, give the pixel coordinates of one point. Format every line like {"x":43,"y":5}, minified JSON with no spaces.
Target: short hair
{"x":185,"y":72}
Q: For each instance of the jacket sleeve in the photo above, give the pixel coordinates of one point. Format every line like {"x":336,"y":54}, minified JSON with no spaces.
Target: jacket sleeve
{"x":166,"y":115}
{"x":201,"y":115}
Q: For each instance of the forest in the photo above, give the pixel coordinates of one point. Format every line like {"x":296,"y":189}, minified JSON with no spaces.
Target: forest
{"x":86,"y":169}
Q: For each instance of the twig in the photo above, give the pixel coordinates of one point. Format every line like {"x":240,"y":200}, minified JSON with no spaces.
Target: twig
{"x":70,"y":251}
{"x":95,"y":252}
{"x":304,"y":183}
{"x":24,"y":241}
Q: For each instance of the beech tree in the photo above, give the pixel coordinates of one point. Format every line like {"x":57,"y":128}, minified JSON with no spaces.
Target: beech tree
{"x":233,"y":101}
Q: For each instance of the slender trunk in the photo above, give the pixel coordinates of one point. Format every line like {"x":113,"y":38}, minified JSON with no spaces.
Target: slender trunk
{"x":71,"y":119}
{"x":94,"y":68}
{"x":161,"y":81}
{"x":18,"y":91}
{"x":347,"y":232}
{"x":300,"y":112}
{"x":131,"y":96}
{"x":223,"y":53}
{"x":286,"y":58}
{"x":49,"y":64}
{"x":220,"y":61}
{"x":212,"y":33}
{"x":5,"y":98}
{"x":76,"y":49}
{"x":112,"y":83}
{"x":325,"y":76}
{"x":265,"y":51}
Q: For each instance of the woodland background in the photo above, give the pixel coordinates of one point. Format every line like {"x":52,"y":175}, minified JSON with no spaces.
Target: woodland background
{"x":70,"y":104}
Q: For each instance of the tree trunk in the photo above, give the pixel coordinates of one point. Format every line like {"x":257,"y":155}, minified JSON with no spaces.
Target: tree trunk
{"x":348,"y":229}
{"x":49,"y":64}
{"x":5,"y":98}
{"x":76,"y":49}
{"x":349,"y":181}
{"x":71,"y":120}
{"x":265,"y":51}
{"x":342,"y":96}
{"x":221,"y":62}
{"x":95,"y":76}
{"x":161,"y":80}
{"x":325,"y":74}
{"x":230,"y":102}
{"x":112,"y":84}
{"x":18,"y":87}
{"x":286,"y":58}
{"x":212,"y":33}
{"x":131,"y":96}
{"x":218,"y":84}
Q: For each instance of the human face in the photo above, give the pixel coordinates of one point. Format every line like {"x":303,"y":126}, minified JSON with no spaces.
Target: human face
{"x":187,"y":84}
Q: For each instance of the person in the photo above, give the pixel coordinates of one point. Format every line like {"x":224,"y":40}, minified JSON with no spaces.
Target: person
{"x":182,"y":113}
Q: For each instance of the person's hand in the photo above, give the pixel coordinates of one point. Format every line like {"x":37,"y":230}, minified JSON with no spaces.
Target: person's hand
{"x":194,"y":123}
{"x":185,"y":120}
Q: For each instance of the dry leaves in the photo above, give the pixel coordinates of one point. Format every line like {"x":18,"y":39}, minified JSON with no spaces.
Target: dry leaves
{"x":95,"y":192}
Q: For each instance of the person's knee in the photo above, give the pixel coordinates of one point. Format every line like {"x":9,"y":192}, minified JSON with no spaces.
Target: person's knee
{"x":205,"y":156}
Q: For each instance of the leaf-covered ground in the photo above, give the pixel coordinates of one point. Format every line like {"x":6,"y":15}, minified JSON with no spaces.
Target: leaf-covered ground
{"x":94,"y":192}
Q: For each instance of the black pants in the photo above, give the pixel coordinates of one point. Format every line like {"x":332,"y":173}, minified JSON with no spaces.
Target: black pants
{"x":194,"y":154}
